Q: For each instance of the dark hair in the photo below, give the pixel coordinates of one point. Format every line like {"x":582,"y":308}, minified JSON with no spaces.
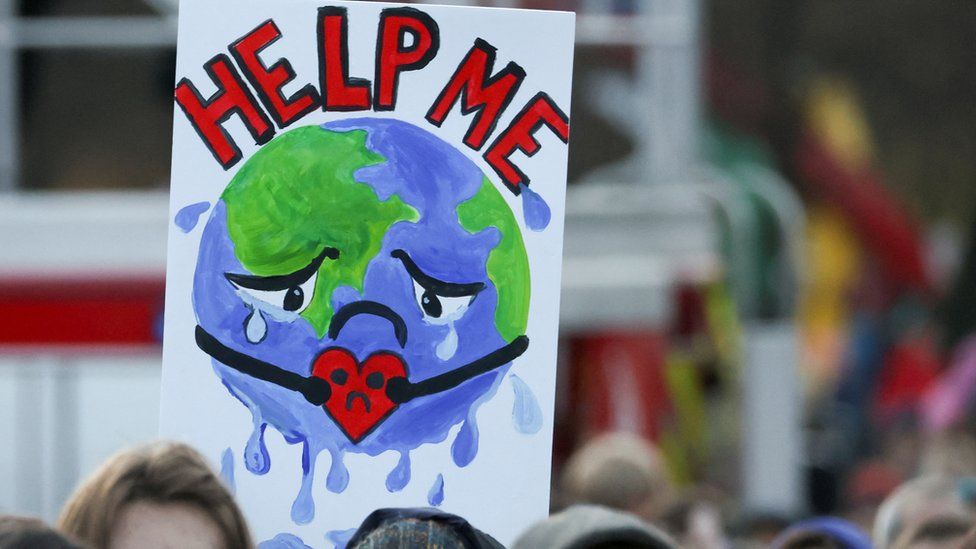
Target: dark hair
{"x":811,"y":540}
{"x":30,"y":533}
{"x":164,"y":472}
{"x":418,"y":527}
{"x":941,"y":529}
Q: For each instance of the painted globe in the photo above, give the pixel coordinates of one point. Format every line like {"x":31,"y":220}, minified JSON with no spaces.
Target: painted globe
{"x":362,"y":287}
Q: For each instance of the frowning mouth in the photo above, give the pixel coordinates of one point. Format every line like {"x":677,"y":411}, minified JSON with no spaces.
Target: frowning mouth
{"x":351,"y":398}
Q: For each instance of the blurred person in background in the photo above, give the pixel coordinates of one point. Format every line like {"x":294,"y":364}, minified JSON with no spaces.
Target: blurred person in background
{"x":866,"y":488}
{"x":926,"y":512}
{"x":156,"y":496}
{"x":823,"y":533}
{"x":626,"y":472}
{"x":621,"y":471}
{"x":30,"y":533}
{"x":394,"y":528}
{"x":593,"y":527}
{"x":949,"y":453}
{"x":754,"y":530}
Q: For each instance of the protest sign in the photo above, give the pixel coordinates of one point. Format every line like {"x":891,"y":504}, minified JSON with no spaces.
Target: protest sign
{"x":364,"y":258}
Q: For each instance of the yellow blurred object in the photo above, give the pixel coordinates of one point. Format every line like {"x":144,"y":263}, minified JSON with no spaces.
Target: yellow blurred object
{"x":684,"y":442}
{"x":834,"y":114}
{"x":833,"y":263}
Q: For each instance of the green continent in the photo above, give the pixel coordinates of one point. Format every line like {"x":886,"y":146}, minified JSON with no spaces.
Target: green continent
{"x":298,"y":195}
{"x":508,"y":264}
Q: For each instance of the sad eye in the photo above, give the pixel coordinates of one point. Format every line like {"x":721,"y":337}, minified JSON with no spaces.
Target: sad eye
{"x":295,"y":298}
{"x":440,"y":301}
{"x":291,"y":292}
{"x":439,"y":306}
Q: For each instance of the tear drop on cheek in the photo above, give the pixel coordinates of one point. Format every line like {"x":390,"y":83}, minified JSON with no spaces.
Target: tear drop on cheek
{"x":255,"y":327}
{"x":446,"y":348}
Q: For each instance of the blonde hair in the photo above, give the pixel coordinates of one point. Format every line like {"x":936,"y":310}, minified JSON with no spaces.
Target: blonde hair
{"x":620,"y":471}
{"x":161,"y":473}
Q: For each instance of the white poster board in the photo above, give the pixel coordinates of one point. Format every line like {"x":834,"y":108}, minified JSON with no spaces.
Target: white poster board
{"x":364,"y":258}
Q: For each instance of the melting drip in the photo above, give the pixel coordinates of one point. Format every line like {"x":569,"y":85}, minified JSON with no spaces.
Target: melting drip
{"x":526,"y":413}
{"x":255,"y":327}
{"x":284,"y":541}
{"x":340,"y":538}
{"x":446,"y":349}
{"x":399,"y":477}
{"x":465,"y":445}
{"x":534,"y":209}
{"x":338,"y":477}
{"x":188,"y":216}
{"x":256,"y":458}
{"x":227,"y":469}
{"x":436,"y":494}
{"x":303,"y":509}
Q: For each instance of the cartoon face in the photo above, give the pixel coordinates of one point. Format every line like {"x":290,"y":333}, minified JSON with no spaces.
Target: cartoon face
{"x":361,"y":287}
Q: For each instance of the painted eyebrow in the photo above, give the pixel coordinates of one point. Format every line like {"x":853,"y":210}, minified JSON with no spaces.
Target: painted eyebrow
{"x":282,"y":282}
{"x":439,"y":287}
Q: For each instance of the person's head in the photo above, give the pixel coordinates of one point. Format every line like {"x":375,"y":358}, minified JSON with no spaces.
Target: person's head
{"x":418,"y":527}
{"x":924,"y":512}
{"x":620,"y":471}
{"x":809,"y":540}
{"x":160,"y":495}
{"x":30,"y":533}
{"x":949,"y":453}
{"x":823,"y":533}
{"x":593,"y":527}
{"x":868,"y":485}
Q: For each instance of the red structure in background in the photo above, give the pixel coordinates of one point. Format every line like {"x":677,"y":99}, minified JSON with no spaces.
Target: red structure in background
{"x":81,"y":311}
{"x":617,"y":384}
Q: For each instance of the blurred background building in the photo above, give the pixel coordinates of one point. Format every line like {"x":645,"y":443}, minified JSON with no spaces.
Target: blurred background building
{"x":783,"y":305}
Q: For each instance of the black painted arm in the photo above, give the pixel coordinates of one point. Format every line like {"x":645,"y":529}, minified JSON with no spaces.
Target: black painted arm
{"x":315,"y":390}
{"x":402,"y":390}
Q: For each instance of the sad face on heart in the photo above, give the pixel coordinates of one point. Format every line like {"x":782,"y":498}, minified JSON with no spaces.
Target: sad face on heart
{"x":361,"y":286}
{"x":358,"y":398}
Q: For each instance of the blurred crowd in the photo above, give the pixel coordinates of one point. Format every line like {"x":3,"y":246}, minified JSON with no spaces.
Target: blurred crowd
{"x":864,"y":112}
{"x":614,"y":492}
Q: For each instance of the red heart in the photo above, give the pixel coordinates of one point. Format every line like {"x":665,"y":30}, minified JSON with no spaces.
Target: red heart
{"x":359,"y":401}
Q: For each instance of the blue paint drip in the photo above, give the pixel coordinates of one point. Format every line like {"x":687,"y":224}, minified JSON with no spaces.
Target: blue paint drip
{"x":436,"y":494}
{"x":284,"y":541}
{"x":256,"y":457}
{"x":399,"y":477}
{"x":465,"y":445}
{"x":188,"y":216}
{"x":526,"y":413}
{"x":340,"y":538}
{"x":534,"y":208}
{"x":338,"y":477}
{"x":303,"y":509}
{"x":227,"y":469}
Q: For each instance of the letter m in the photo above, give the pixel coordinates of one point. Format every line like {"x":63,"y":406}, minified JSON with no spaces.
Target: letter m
{"x":479,"y":92}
